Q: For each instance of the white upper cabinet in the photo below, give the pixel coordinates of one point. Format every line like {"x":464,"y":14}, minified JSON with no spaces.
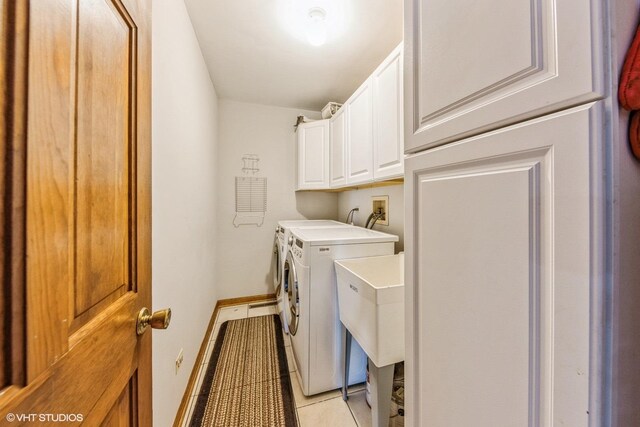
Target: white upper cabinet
{"x":477,"y":66}
{"x":388,"y":144}
{"x":359,"y":111}
{"x":337,"y":139}
{"x":313,"y":155}
{"x":363,"y":142}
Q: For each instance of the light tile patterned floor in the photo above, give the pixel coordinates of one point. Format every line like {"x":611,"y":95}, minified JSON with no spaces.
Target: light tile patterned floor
{"x":325,"y":409}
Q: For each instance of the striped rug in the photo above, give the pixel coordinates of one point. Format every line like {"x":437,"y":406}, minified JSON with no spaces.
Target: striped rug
{"x":247,"y":380}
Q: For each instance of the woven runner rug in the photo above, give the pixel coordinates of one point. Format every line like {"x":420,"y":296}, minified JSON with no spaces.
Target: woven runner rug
{"x":247,"y":379}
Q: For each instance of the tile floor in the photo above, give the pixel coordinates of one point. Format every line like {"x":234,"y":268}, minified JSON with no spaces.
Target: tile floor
{"x":326,"y":409}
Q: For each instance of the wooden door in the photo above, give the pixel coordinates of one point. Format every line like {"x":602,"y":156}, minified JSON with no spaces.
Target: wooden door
{"x":360,"y":135}
{"x":337,"y":144}
{"x":476,"y":66}
{"x":503,"y":257}
{"x":76,"y":265}
{"x":313,"y":155}
{"x":388,"y":135}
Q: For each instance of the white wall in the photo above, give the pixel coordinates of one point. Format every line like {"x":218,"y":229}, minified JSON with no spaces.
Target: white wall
{"x":244,"y":253}
{"x":185,"y":140}
{"x":362,"y":199}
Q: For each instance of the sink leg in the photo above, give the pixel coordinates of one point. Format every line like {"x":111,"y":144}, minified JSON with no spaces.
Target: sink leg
{"x":345,"y":361}
{"x":381,"y":389}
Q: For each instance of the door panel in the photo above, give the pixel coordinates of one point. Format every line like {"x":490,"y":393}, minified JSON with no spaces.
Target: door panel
{"x":49,"y":141}
{"x":480,"y":298}
{"x":87,"y":230}
{"x":476,"y":67}
{"x":388,"y":152}
{"x":313,"y":147}
{"x":120,"y":413}
{"x":360,"y":135}
{"x":498,"y":276}
{"x":511,"y":56}
{"x":88,"y":378}
{"x":103,"y":149}
{"x":313,"y":155}
{"x":337,"y":142}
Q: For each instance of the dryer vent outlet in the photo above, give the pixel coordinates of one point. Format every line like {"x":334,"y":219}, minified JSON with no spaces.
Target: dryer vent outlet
{"x":380,"y":204}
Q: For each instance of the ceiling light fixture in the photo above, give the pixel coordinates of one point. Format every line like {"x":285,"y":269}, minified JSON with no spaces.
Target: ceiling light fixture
{"x":315,"y":22}
{"x":317,"y":28}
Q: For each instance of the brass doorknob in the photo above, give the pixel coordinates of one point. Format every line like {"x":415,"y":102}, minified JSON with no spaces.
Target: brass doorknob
{"x":158,"y":320}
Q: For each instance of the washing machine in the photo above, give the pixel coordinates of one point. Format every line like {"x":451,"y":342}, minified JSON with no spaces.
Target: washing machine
{"x":283,"y":230}
{"x":311,"y":302}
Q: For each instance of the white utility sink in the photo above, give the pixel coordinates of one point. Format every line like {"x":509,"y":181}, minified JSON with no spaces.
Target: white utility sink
{"x":371,"y":304}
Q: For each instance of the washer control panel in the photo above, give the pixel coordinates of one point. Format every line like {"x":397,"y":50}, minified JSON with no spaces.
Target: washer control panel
{"x":297,"y":247}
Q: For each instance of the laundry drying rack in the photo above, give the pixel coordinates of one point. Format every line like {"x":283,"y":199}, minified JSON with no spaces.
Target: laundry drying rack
{"x":251,"y":194}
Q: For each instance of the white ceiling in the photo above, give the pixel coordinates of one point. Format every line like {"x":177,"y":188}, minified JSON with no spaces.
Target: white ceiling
{"x":252,"y":57}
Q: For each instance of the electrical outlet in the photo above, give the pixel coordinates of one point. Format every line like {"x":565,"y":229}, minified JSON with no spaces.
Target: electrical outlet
{"x":381,"y":204}
{"x":179,"y":360}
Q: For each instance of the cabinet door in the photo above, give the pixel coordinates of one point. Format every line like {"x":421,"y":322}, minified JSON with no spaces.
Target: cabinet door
{"x":313,"y":155}
{"x":498,"y":276}
{"x":360,"y":135}
{"x":337,"y":126}
{"x":388,"y":145}
{"x":477,"y":66}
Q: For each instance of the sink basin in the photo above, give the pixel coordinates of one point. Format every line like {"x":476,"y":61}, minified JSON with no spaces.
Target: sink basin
{"x":371,"y":305}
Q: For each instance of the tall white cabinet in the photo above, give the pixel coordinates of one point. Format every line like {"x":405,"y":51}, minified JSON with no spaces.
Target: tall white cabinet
{"x":506,"y":213}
